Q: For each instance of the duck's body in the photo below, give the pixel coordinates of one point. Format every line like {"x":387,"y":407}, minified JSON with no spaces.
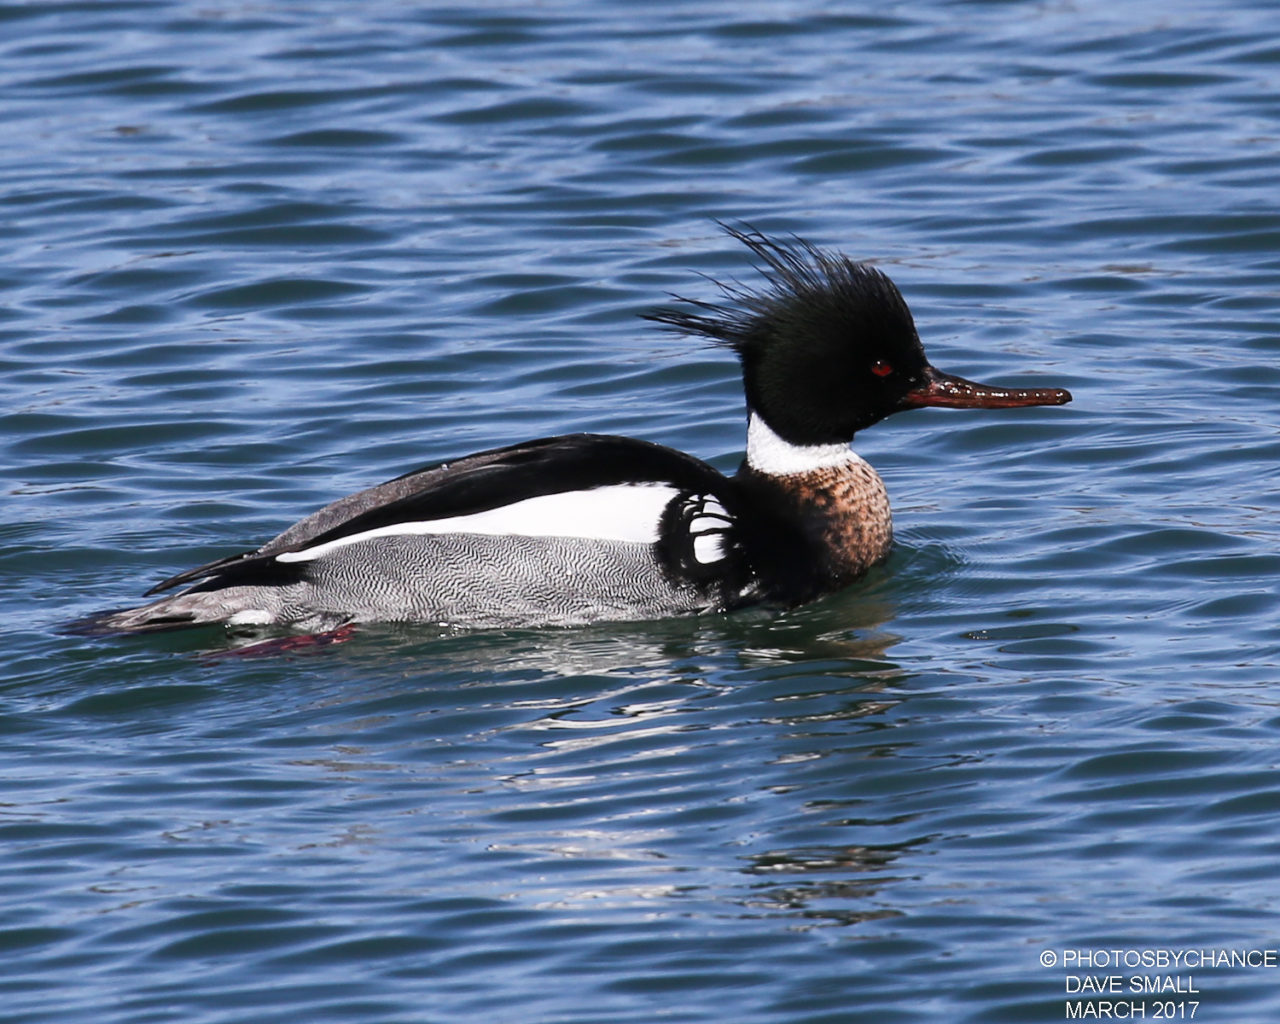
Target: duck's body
{"x":587,"y":527}
{"x":560,"y":531}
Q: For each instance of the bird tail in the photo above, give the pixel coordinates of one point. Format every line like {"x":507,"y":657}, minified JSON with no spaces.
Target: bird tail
{"x":176,"y":611}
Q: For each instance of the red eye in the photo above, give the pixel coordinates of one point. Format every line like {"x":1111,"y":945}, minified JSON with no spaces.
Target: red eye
{"x":881,"y":369}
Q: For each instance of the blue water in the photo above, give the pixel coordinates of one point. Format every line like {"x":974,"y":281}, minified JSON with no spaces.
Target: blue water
{"x":256,"y":256}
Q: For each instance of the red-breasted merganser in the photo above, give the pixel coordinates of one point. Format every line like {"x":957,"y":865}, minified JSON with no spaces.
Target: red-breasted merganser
{"x":587,"y":527}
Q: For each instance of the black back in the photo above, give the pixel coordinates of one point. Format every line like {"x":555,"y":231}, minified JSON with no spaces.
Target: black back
{"x":476,"y":483}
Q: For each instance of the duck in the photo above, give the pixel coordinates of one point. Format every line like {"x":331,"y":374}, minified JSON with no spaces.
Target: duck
{"x":582,"y":528}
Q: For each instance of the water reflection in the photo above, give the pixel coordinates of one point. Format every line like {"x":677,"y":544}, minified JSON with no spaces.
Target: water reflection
{"x":825,"y":885}
{"x":743,"y":760}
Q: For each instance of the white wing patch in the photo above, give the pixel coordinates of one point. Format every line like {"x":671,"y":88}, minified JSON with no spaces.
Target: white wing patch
{"x":623,"y":512}
{"x":708,"y":525}
{"x":708,"y":548}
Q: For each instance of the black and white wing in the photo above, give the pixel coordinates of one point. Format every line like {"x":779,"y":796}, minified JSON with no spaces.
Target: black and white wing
{"x":590,"y":486}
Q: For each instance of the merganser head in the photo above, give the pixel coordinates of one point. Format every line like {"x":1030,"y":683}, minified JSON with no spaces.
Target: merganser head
{"x":829,"y":346}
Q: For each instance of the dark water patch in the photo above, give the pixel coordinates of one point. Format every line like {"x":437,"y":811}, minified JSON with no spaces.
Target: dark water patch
{"x":544,"y":109}
{"x":339,"y":139}
{"x":122,"y":437}
{"x":270,"y":101}
{"x":278,"y":291}
{"x":1157,"y":80}
{"x":139,"y":698}
{"x":125,"y":80}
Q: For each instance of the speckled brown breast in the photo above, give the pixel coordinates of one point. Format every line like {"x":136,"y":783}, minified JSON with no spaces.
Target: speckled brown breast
{"x":843,"y":519}
{"x":848,"y":507}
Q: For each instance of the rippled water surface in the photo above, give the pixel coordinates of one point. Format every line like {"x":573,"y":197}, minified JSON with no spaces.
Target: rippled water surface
{"x":258,"y":255}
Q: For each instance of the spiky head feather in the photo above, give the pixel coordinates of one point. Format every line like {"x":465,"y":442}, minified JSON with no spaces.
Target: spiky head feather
{"x":828,"y":346}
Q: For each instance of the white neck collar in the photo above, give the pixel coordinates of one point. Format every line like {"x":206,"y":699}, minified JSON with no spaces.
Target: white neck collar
{"x":768,"y":453}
